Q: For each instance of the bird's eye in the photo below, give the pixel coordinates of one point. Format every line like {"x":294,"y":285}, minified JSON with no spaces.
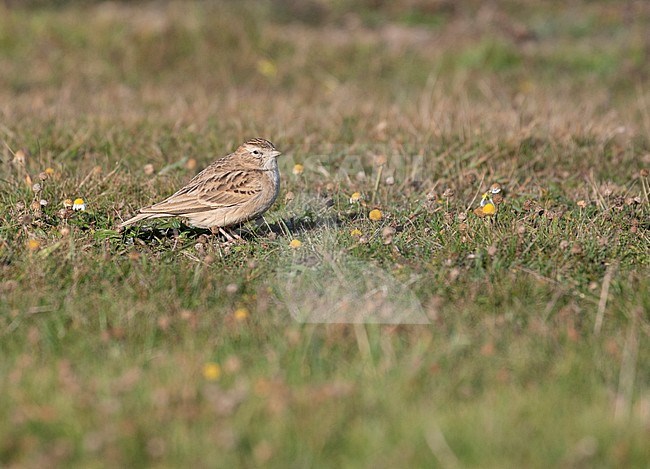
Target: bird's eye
{"x":256,"y":152}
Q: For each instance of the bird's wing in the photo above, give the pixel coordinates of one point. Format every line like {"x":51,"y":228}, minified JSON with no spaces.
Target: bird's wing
{"x":210,"y":191}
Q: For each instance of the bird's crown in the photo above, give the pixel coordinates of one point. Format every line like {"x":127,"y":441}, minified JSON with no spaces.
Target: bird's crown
{"x":260,"y":142}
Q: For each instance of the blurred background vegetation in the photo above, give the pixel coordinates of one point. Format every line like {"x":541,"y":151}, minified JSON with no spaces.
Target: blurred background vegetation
{"x":171,"y":349}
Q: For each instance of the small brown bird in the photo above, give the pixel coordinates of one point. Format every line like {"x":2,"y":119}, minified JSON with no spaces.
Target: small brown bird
{"x":238,"y":187}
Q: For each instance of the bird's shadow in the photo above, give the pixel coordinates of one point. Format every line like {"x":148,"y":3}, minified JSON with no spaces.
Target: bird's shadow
{"x":247,"y":231}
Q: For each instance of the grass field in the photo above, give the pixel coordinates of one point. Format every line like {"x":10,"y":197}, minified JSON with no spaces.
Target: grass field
{"x":165,"y":347}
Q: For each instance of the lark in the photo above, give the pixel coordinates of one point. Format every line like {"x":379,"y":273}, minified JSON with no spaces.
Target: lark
{"x":234,"y":189}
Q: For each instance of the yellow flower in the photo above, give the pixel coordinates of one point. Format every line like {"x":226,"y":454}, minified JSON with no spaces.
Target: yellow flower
{"x":49,"y":171}
{"x":211,"y":371}
{"x":298,"y":169}
{"x":356,"y":197}
{"x":78,"y":204}
{"x":375,"y":215}
{"x":33,"y":244}
{"x":67,"y":203}
{"x":487,"y":207}
{"x":295,"y":243}
{"x":356,"y":232}
{"x":241,"y":314}
{"x":267,"y":68}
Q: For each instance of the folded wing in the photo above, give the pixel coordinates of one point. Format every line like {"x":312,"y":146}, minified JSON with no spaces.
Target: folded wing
{"x":213,"y":191}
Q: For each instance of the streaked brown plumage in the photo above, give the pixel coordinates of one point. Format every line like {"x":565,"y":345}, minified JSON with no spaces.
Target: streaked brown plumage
{"x":236,"y":188}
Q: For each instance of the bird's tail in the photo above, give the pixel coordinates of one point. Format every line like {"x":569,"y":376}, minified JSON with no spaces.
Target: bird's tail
{"x":137,"y":218}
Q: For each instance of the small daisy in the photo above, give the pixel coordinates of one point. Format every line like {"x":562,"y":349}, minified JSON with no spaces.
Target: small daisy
{"x":79,"y":204}
{"x":487,"y":207}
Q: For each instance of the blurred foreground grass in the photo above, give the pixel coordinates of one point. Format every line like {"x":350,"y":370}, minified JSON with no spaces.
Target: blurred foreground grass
{"x":167,"y":348}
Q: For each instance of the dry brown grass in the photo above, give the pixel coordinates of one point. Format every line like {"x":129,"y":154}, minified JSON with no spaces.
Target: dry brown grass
{"x":536,"y":353}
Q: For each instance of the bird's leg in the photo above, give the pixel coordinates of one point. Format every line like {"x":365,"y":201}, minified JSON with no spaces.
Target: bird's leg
{"x":230,"y":235}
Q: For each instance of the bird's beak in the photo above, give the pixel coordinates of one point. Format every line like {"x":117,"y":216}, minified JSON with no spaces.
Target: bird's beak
{"x":276,"y":153}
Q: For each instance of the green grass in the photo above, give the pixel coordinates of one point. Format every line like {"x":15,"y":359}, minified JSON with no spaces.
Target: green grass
{"x":536,"y":351}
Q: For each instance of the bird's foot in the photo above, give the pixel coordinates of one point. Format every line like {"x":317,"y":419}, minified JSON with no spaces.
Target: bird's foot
{"x":231,"y":236}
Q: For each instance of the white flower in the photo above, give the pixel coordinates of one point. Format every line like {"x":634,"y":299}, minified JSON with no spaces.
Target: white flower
{"x":79,"y":204}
